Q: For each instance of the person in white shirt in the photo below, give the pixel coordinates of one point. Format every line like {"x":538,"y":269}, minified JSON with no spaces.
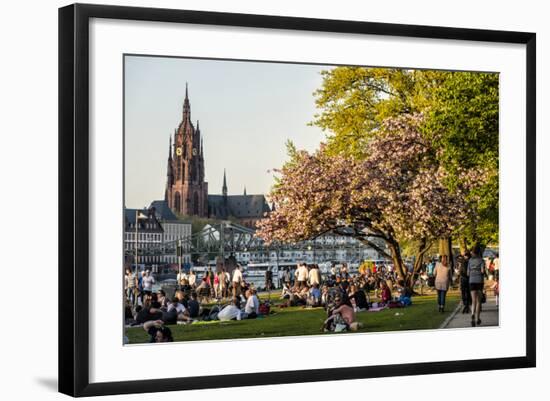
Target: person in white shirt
{"x":181,"y":278}
{"x":252,"y":307}
{"x":192,"y":279}
{"x":175,"y":304}
{"x":230,"y":312}
{"x":496,"y":263}
{"x":301,"y":275}
{"x":148,"y":281}
{"x":314,"y":276}
{"x":237,"y":281}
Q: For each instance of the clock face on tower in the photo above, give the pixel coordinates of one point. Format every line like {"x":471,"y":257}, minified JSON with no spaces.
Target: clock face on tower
{"x":194,"y":151}
{"x":178,"y":151}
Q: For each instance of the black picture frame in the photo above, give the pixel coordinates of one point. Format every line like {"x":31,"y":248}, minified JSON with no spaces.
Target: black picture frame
{"x":74,"y":198}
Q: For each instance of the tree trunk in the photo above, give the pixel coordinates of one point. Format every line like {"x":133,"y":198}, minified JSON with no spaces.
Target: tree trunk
{"x":423,"y":247}
{"x":446,"y":248}
{"x":463,"y":244}
{"x":397,"y":260}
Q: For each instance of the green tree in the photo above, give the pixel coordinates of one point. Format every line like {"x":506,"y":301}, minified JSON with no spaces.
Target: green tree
{"x":460,"y":118}
{"x":462,"y":122}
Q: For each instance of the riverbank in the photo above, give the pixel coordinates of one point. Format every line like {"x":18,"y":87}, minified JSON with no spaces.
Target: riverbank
{"x":297,"y":321}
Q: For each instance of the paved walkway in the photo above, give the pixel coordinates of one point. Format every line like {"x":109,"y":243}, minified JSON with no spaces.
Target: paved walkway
{"x":489,"y":316}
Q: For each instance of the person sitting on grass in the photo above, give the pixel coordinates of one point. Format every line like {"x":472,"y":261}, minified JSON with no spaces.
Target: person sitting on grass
{"x":158,"y":333}
{"x":324,"y":295}
{"x":286,"y":292}
{"x":405,"y":293}
{"x":148,"y":312}
{"x":358,"y":297}
{"x":175,"y":304}
{"x":300,"y":296}
{"x":251,"y":309}
{"x":231,"y":312}
{"x":169,"y":316}
{"x":182,"y":314}
{"x":342,"y":318}
{"x":385,"y":292}
{"x":193,"y":306}
{"x":162,"y":298}
{"x":314,"y":296}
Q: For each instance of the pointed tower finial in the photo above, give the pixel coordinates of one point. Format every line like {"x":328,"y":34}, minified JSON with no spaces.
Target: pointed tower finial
{"x":186,"y":106}
{"x":245,"y":190}
{"x":224,"y":187}
{"x":170,"y":149}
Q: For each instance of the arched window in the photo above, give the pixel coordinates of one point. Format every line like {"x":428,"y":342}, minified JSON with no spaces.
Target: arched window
{"x":177,"y":202}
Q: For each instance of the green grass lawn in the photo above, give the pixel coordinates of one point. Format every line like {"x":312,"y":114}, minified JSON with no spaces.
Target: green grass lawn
{"x":296,"y":321}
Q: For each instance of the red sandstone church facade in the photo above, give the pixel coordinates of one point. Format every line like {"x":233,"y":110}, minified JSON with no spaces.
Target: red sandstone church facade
{"x":186,"y":190}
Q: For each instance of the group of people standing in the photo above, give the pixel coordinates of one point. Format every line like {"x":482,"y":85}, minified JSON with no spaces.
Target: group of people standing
{"x":472,"y":270}
{"x":218,"y":285}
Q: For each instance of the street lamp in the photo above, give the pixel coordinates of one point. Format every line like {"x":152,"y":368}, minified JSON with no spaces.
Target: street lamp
{"x":139,"y":216}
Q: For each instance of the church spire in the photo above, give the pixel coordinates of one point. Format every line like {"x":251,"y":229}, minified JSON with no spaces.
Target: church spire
{"x":224,"y":187}
{"x":245,"y":190}
{"x":186,"y":105}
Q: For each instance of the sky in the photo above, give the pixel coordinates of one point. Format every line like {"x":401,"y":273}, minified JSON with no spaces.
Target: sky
{"x":247,"y":112}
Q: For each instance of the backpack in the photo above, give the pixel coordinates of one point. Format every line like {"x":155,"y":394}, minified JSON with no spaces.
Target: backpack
{"x":264,"y":308}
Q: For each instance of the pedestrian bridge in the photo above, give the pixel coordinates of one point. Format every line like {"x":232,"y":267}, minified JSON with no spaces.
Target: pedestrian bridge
{"x":228,"y":238}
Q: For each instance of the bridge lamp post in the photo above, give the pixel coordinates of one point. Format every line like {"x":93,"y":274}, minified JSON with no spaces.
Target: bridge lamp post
{"x":309,"y":249}
{"x":179,"y":252}
{"x":139,"y":216}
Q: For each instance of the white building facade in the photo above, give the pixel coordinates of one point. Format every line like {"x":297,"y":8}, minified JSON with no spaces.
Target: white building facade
{"x":174,"y":231}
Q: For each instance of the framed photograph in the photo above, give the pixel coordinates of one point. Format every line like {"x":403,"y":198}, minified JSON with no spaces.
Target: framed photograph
{"x":257,"y":199}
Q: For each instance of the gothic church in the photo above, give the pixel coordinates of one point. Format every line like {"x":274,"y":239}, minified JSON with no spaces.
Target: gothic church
{"x":187,"y":192}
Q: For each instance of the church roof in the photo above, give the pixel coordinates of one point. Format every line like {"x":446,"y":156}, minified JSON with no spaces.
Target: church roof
{"x":130,"y":218}
{"x":239,"y":206}
{"x":163,"y":211}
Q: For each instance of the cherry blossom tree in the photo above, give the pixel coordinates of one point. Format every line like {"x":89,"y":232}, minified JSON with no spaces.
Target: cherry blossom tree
{"x":397,"y":192}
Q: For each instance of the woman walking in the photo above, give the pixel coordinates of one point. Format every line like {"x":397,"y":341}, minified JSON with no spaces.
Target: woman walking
{"x":476,"y":271}
{"x":443,"y":276}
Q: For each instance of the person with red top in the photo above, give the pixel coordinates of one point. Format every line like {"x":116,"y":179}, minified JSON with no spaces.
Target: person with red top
{"x":385,"y":293}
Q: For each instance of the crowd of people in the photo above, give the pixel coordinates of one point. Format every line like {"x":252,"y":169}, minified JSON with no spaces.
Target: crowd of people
{"x":157,"y":310}
{"x":228,"y":296}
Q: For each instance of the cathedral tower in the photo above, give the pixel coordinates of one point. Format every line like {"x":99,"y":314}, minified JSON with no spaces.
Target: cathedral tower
{"x":186,"y":192}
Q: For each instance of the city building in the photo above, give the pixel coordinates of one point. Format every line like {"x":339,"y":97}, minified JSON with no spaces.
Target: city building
{"x":173,"y":230}
{"x":142,"y":230}
{"x":186,"y":190}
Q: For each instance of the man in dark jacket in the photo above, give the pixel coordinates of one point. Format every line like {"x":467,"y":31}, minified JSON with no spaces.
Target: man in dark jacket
{"x":462,"y":265}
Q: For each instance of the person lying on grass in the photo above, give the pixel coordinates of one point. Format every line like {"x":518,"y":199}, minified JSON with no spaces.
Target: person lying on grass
{"x":231,"y":312}
{"x":158,"y":333}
